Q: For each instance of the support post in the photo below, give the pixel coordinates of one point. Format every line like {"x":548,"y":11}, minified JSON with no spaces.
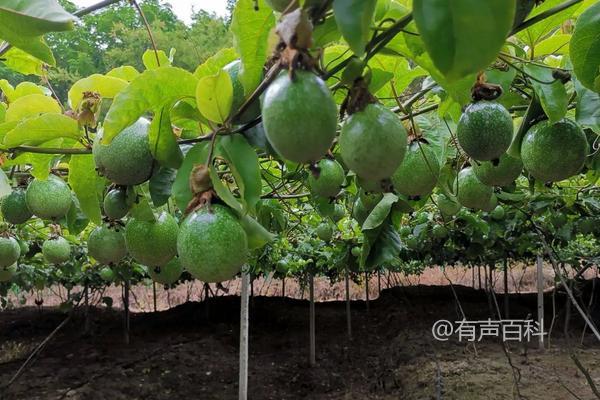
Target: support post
{"x":540,"y":298}
{"x":244,"y":328}
{"x":126,"y":312}
{"x":311,"y":288}
{"x":506,"y":307}
{"x":154,"y":294}
{"x":348,"y":312}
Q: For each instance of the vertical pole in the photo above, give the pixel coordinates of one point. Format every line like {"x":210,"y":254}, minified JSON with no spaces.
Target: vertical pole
{"x":540,"y":298}
{"x":244,"y":328}
{"x":283,"y":287}
{"x":87,"y":325}
{"x":126,"y":312}
{"x":206,"y":295}
{"x":367,"y":289}
{"x":311,"y":286}
{"x":379,"y":283}
{"x":348,"y":314}
{"x":506,"y":308}
{"x":154,"y":294}
{"x":479,"y":275}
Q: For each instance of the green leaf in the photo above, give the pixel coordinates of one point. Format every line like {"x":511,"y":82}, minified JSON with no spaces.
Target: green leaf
{"x":163,"y":142}
{"x":214,"y":96}
{"x":37,"y":130}
{"x":380,"y":212}
{"x":251,"y":24}
{"x":326,"y":33}
{"x":214,"y":64}
{"x":150,"y":62}
{"x":83,"y":179}
{"x":181,"y":187}
{"x":76,"y":219}
{"x":5,"y":187}
{"x":151,"y":90}
{"x":161,"y":184}
{"x":258,"y":236}
{"x":554,"y":97}
{"x":537,"y":32}
{"x":354,"y":18}
{"x":141,"y":209}
{"x":224,"y":192}
{"x":585,"y":48}
{"x":463,"y":36}
{"x":587,"y":113}
{"x":24,"y":63}
{"x":2,"y":112}
{"x":380,"y":245}
{"x":244,"y":165}
{"x":126,"y":72}
{"x":557,"y":44}
{"x":22,"y":23}
{"x":27,"y":88}
{"x":106,"y":86}
{"x":30,"y":106}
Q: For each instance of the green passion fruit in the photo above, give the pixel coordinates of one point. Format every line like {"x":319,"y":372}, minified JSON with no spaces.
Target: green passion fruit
{"x":419,"y":172}
{"x":448,"y":206}
{"x":14,"y":207}
{"x":7,"y":273}
{"x":503,"y":173}
{"x":339,"y":212}
{"x":325,"y":232}
{"x":471,"y":192}
{"x":328,"y":180}
{"x":212,"y":245}
{"x":299,"y":116}
{"x":152,"y":243}
{"x":485,"y":130}
{"x":373,"y":142}
{"x":127,"y":160}
{"x":115,"y":204}
{"x":498,"y":213}
{"x":56,"y":250}
{"x":107,"y":274}
{"x":168,"y":274}
{"x":253,"y":111}
{"x":9,"y":251}
{"x":107,"y":245}
{"x":553,"y":152}
{"x":48,"y":199}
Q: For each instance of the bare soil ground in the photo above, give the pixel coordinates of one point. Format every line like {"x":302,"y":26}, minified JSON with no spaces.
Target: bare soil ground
{"x":191,"y":352}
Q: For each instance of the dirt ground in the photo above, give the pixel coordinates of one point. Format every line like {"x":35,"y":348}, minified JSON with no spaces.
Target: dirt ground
{"x":191,"y":351}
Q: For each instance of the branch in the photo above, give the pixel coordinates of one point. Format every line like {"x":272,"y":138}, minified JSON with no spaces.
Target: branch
{"x":542,"y":16}
{"x":47,"y":150}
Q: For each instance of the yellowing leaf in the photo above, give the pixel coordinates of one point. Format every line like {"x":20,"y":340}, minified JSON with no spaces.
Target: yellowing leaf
{"x":37,"y":130}
{"x":84,"y":181}
{"x":30,"y":106}
{"x":213,"y":64}
{"x":126,"y":72}
{"x":150,"y":59}
{"x":214,"y":96}
{"x":107,"y":86}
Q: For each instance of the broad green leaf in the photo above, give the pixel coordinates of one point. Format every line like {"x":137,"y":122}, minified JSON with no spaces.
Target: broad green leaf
{"x":181,"y":187}
{"x":463,"y":36}
{"x":30,"y":106}
{"x":380,"y":212}
{"x":556,"y":44}
{"x":585,"y":48}
{"x":244,"y":165}
{"x":151,"y":90}
{"x":37,"y":130}
{"x":106,"y":86}
{"x":354,"y":19}
{"x":2,"y":112}
{"x":22,"y":24}
{"x":160,"y":185}
{"x":251,"y":23}
{"x":7,"y":89}
{"x":83,"y":179}
{"x":587,"y":113}
{"x":76,"y":220}
{"x":150,"y":61}
{"x":6,"y":127}
{"x":402,"y":74}
{"x":26,"y":88}
{"x":224,"y":192}
{"x":24,"y":63}
{"x":326,"y":33}
{"x":214,"y":64}
{"x":258,"y":236}
{"x":537,"y":32}
{"x":163,"y":142}
{"x":554,"y":97}
{"x":126,"y":72}
{"x":380,"y":245}
{"x":214,"y":96}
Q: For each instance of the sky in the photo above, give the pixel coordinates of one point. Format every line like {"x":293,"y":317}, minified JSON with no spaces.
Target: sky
{"x":183,"y":8}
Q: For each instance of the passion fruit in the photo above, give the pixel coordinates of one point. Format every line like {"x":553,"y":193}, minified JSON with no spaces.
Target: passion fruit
{"x":471,"y":192}
{"x":503,"y":173}
{"x":10,"y":251}
{"x":373,"y":142}
{"x":127,"y":160}
{"x":115,"y":204}
{"x":212,"y":245}
{"x":14,"y":208}
{"x":554,"y":152}
{"x":7,"y":273}
{"x":485,"y":130}
{"x":107,"y":245}
{"x":328,"y":180}
{"x":56,"y":250}
{"x":168,"y":274}
{"x":152,"y":243}
{"x":325,"y":232}
{"x":299,"y":116}
{"x":419,"y":172}
{"x":49,"y":199}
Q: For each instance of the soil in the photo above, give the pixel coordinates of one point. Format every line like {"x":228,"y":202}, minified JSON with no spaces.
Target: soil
{"x":191,"y":351}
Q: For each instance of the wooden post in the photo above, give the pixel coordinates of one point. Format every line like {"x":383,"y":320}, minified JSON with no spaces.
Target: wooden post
{"x":540,"y":299}
{"x":348,"y":313}
{"x":154,"y":294}
{"x":367,"y":289}
{"x":126,"y":312}
{"x":311,"y":288}
{"x":283,"y":287}
{"x":378,"y":283}
{"x":506,"y":307}
{"x":479,"y":275}
{"x":87,"y":325}
{"x":244,"y":328}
